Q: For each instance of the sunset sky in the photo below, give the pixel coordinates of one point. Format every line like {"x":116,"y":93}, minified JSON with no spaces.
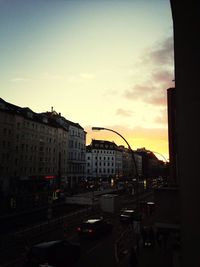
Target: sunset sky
{"x":101,"y":63}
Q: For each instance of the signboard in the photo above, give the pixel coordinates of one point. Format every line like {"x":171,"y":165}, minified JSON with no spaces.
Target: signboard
{"x":49,"y":177}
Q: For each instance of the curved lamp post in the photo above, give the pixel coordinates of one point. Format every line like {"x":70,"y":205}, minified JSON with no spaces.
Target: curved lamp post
{"x":134,"y":162}
{"x":160,"y":155}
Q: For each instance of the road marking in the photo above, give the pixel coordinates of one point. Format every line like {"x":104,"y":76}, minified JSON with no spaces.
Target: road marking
{"x":93,"y":248}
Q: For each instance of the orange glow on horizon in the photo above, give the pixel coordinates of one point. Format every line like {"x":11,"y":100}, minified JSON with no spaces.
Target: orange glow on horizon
{"x":153,"y":139}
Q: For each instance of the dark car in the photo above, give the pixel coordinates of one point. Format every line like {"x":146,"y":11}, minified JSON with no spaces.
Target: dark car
{"x":127,"y":216}
{"x":95,"y":227}
{"x":59,"y":253}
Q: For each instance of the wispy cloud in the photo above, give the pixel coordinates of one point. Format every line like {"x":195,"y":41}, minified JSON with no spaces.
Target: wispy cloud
{"x":123,"y":112}
{"x":162,"y":76}
{"x":20,"y":79}
{"x":157,"y":100}
{"x":138,"y":91}
{"x":162,"y":117}
{"x":87,"y":76}
{"x":152,"y":90}
{"x":161,"y":53}
{"x":52,"y":76}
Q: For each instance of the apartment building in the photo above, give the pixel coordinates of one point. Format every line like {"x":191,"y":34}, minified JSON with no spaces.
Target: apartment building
{"x":33,"y":148}
{"x":75,"y":172}
{"x":128,"y":166}
{"x":103,"y":160}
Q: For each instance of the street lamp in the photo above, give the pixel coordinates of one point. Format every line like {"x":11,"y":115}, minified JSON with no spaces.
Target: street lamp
{"x":137,"y":225}
{"x":134,"y":163}
{"x":159,"y":154}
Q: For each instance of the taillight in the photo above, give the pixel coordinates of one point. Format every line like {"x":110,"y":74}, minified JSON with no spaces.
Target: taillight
{"x":78,"y":229}
{"x":90,"y":231}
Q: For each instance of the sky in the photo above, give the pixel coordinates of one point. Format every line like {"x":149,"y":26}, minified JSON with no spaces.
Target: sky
{"x":104,"y":63}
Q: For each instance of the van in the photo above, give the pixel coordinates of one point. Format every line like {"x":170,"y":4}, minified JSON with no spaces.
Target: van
{"x":58,"y":253}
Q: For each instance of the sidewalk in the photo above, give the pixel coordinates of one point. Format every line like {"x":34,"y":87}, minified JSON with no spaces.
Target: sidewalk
{"x":151,"y":257}
{"x":155,"y":257}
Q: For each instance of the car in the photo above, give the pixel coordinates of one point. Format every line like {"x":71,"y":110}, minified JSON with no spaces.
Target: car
{"x":94,"y":227}
{"x":127,"y":216}
{"x":58,"y":253}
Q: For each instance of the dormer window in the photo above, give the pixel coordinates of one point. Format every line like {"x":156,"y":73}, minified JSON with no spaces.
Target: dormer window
{"x":44,"y":119}
{"x":2,"y":105}
{"x":29,"y":114}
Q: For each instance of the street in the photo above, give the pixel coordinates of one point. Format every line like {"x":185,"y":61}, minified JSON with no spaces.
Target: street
{"x":101,"y":252}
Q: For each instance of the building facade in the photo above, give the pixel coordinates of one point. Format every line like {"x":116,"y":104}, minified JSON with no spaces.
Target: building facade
{"x":75,"y":172}
{"x":103,"y":161}
{"x":128,"y":167}
{"x":33,"y":152}
{"x":39,"y":151}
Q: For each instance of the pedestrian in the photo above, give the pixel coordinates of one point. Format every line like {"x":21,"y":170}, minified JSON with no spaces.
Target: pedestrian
{"x":165,"y":239}
{"x":159,"y":238}
{"x":144,"y":236}
{"x":151,"y":236}
{"x":133,"y":258}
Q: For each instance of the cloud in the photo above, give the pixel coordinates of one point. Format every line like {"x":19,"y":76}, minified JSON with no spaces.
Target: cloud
{"x":162,"y":76}
{"x":52,"y":76}
{"x":87,"y":76}
{"x":152,"y":89}
{"x":161,"y":53}
{"x":162,"y":118}
{"x":20,"y":79}
{"x":138,"y":91}
{"x":157,"y":100}
{"x":123,"y":112}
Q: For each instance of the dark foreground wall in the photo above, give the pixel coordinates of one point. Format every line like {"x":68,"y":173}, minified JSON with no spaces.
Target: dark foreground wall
{"x":186,"y":18}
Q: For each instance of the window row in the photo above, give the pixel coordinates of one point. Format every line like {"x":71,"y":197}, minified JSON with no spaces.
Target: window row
{"x":101,"y":164}
{"x":101,"y":171}
{"x":104,"y":151}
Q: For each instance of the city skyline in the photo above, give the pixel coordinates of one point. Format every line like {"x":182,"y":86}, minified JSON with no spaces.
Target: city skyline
{"x":99,"y":63}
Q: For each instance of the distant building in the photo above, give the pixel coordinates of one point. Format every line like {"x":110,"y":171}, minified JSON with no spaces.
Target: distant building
{"x":149,"y":162}
{"x":38,"y":150}
{"x":128,"y":167}
{"x":33,"y":148}
{"x":104,"y":160}
{"x":76,"y":150}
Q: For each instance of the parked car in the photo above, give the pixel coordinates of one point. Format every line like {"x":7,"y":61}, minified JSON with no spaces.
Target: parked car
{"x":58,"y":253}
{"x":127,"y":216}
{"x":94,"y":227}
